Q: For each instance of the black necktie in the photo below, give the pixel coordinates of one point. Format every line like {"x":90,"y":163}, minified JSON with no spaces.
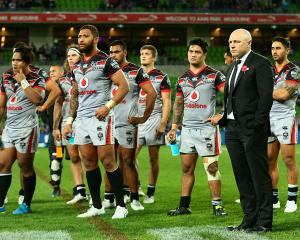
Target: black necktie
{"x":231,"y":86}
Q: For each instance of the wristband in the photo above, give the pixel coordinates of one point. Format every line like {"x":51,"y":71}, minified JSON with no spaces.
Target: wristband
{"x":69,"y":120}
{"x":110,"y":104}
{"x":24,"y":84}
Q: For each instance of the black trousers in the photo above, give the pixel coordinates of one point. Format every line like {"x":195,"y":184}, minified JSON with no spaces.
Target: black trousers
{"x":250,"y":166}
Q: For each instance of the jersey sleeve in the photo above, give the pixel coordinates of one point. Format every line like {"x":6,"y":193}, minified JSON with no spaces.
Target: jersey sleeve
{"x":44,"y":74}
{"x":40,"y":83}
{"x":165,"y":84}
{"x":179,"y":91}
{"x":111,"y":67}
{"x":293,"y":76}
{"x":220,"y":80}
{"x":142,"y":77}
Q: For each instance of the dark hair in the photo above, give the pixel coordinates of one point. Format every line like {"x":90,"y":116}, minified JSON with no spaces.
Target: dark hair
{"x":151,"y":48}
{"x":284,"y":41}
{"x":227,"y":52}
{"x":119,"y":42}
{"x":27,"y":55}
{"x":92,"y":28}
{"x":20,"y":44}
{"x":201,"y":43}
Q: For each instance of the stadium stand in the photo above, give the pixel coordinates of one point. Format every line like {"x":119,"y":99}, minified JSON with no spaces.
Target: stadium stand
{"x":251,"y":6}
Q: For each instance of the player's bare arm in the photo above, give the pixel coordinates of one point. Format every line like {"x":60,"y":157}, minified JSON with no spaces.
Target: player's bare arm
{"x":54,"y":92}
{"x":166,"y":99}
{"x":2,"y":105}
{"x":150,"y":100}
{"x":216,"y":118}
{"x":177,"y":117}
{"x":120,"y":80}
{"x":57,"y":117}
{"x":284,"y":93}
{"x":73,"y":109}
{"x":34,"y":95}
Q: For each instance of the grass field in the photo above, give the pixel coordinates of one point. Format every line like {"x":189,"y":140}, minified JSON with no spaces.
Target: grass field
{"x":53,"y":219}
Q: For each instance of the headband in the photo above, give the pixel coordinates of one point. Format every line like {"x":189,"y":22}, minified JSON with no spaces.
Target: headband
{"x":75,"y":50}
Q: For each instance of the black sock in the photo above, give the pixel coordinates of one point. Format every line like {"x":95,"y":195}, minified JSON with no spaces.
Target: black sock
{"x":5,"y":181}
{"x":109,"y":196}
{"x":275,"y":196}
{"x":116,"y":181}
{"x":292,"y":192}
{"x":21,"y":192}
{"x":81,"y":189}
{"x":29,"y":188}
{"x":94,"y":182}
{"x":150,"y":190}
{"x":126,"y":190}
{"x":74,"y":190}
{"x":185,"y":201}
{"x":134,"y":196}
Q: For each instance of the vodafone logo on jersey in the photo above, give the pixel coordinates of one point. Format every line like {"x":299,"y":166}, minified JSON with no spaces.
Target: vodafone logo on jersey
{"x":194,"y":96}
{"x":84,"y":82}
{"x":142,"y":93}
{"x":13,"y":100}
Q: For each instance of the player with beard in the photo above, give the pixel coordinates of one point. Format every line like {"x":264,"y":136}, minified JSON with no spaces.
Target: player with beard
{"x":21,"y":91}
{"x":284,"y":127}
{"x":94,"y":126}
{"x":195,"y":104}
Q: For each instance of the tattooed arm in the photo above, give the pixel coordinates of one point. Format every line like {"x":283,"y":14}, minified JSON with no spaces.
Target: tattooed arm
{"x":177,"y":117}
{"x":284,"y":93}
{"x":73,"y":109}
{"x":74,"y":100}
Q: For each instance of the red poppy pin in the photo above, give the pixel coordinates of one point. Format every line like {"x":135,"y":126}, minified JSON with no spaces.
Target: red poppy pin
{"x":244,"y":68}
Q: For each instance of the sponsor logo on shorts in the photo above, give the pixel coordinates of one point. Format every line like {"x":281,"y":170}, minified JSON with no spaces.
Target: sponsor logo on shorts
{"x":100,"y":134}
{"x":285,"y":135}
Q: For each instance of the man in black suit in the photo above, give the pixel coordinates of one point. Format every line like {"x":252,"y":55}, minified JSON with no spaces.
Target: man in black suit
{"x":248,"y":100}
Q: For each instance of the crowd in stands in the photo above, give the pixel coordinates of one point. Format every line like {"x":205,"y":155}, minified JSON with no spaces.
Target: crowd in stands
{"x":200,"y":5}
{"x":13,"y":5}
{"x":251,"y":6}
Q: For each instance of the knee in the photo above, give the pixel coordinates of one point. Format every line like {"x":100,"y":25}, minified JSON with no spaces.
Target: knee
{"x":27,"y":169}
{"x":290,"y":161}
{"x":212,"y":169}
{"x":129,"y":163}
{"x":109,"y":165}
{"x":4,"y":167}
{"x":75,"y":158}
{"x":187,"y":170}
{"x":154,"y":160}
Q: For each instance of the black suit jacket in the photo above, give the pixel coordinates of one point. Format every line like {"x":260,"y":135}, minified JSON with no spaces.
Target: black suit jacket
{"x":252,"y":95}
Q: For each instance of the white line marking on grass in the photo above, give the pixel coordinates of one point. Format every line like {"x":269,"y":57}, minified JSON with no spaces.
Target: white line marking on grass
{"x":30,"y":235}
{"x":202,"y":233}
